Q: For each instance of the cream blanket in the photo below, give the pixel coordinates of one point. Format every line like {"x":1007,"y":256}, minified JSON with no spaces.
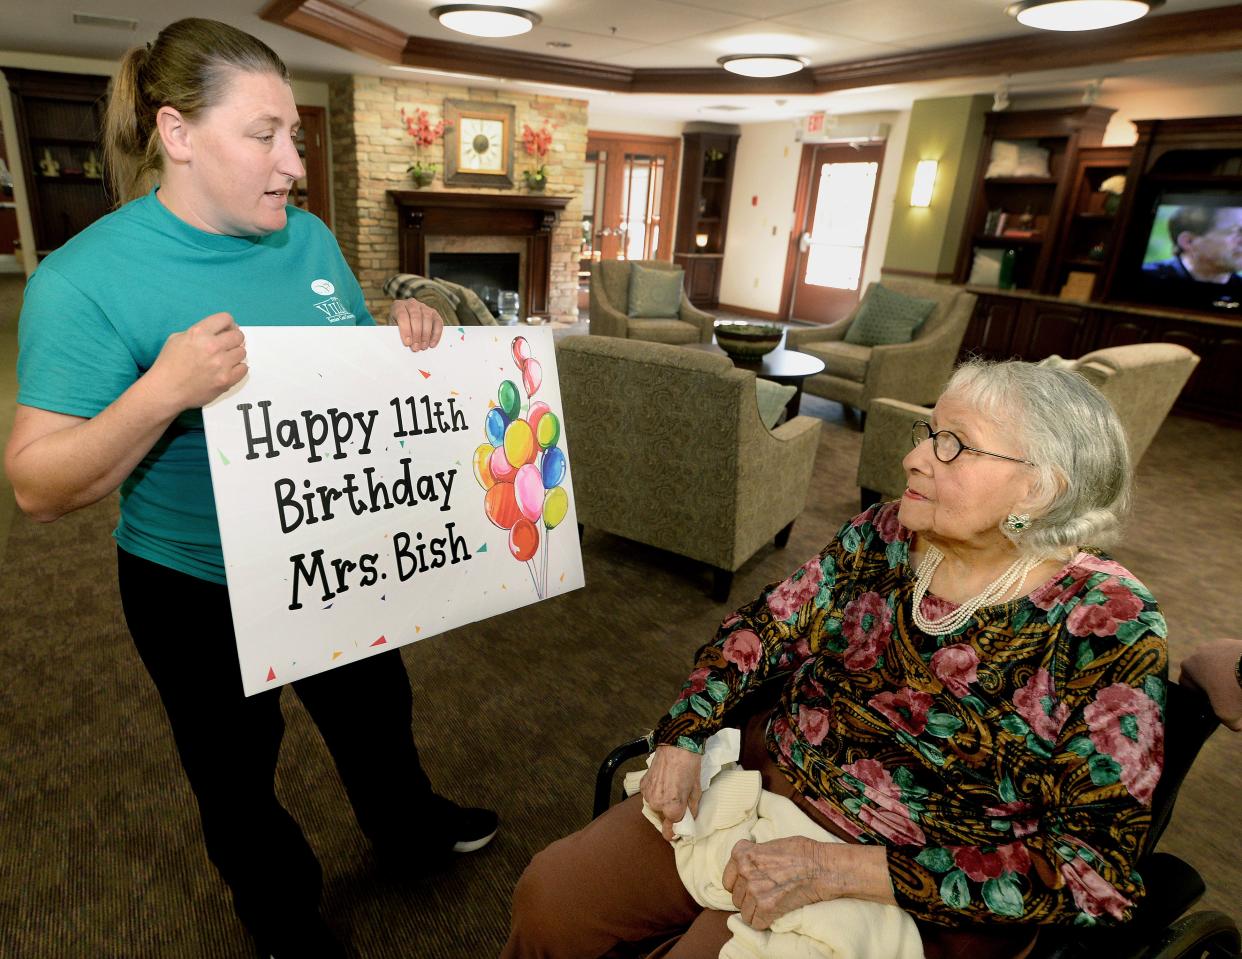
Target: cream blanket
{"x":735,"y":806}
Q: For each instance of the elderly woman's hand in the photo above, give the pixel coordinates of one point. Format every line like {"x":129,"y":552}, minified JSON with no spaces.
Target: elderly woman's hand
{"x":671,"y":785}
{"x":420,"y":325}
{"x":770,"y":879}
{"x":1212,"y":668}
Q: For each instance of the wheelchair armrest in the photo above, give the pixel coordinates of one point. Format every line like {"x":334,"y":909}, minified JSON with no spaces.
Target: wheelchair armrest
{"x":608,"y":768}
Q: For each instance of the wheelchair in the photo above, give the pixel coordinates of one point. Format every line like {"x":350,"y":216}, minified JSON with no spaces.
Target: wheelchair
{"x":1155,"y":930}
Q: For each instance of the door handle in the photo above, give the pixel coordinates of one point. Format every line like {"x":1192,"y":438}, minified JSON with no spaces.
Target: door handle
{"x":804,"y":242}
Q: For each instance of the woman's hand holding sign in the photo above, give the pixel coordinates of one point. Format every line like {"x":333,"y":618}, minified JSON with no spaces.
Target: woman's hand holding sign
{"x":420,"y":325}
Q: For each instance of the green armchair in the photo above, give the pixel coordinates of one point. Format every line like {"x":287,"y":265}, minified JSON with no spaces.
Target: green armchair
{"x":610,"y":284}
{"x":1141,"y":381}
{"x":914,"y":372}
{"x":667,"y":448}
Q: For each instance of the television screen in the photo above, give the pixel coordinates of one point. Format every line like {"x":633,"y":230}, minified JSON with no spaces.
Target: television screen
{"x":1194,"y":251}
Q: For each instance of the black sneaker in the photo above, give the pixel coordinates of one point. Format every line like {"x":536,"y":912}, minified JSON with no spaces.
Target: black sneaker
{"x":472,"y":828}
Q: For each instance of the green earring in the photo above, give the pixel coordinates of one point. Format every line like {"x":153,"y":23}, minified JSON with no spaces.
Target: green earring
{"x":1017,"y":523}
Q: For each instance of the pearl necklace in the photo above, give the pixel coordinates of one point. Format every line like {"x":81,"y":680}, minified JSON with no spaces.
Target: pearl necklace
{"x":1011,"y":580}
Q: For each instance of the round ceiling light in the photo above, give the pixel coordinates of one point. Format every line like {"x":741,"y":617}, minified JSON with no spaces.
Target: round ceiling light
{"x":762,"y":64}
{"x":1079,"y":14}
{"x":482,"y":20}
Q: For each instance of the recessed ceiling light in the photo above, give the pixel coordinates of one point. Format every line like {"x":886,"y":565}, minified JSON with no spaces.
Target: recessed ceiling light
{"x":762,"y":64}
{"x":99,"y":20}
{"x":1079,"y":14}
{"x":484,"y":20}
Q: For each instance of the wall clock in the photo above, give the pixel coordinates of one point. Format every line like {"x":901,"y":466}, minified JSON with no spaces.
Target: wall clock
{"x":478,"y":147}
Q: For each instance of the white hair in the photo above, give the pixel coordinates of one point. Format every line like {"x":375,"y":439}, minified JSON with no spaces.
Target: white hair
{"x":1069,"y":430}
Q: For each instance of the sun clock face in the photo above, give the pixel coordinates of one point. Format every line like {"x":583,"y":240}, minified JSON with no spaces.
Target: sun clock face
{"x":480,"y":147}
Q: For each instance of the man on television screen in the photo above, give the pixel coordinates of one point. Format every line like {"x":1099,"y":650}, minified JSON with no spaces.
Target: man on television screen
{"x":1208,"y":241}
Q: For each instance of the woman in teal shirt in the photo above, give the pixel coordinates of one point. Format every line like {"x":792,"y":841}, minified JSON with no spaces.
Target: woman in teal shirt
{"x":125,"y":333}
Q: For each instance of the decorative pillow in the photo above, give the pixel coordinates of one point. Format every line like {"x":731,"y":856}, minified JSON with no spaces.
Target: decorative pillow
{"x":888,"y":317}
{"x":1017,"y":158}
{"x":985,"y":270}
{"x":654,"y":293}
{"x":471,"y":310}
{"x":772,"y":399}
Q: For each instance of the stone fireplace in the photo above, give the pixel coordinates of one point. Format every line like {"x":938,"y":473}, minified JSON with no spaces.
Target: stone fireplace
{"x":488,"y":274}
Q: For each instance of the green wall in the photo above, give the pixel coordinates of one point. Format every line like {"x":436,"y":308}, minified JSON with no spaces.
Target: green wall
{"x":949,"y":130}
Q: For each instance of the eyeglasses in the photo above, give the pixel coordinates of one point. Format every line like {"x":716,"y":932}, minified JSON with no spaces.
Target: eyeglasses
{"x":948,"y":447}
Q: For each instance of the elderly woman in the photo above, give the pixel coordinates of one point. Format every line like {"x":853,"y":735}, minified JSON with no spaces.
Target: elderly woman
{"x":969,"y":696}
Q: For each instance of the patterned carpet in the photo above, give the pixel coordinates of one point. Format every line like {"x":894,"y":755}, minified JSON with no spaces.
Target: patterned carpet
{"x":99,"y":850}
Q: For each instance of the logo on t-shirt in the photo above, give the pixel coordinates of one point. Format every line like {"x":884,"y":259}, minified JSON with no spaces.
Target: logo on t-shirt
{"x":323,"y":287}
{"x":334,"y":310}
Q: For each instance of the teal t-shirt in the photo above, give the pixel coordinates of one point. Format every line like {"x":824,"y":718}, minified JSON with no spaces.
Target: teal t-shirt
{"x":97,"y":312}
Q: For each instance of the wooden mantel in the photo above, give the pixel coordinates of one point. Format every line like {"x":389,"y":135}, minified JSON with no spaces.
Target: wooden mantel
{"x":424,"y":213}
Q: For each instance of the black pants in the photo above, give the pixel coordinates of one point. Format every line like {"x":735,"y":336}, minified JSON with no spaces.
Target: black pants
{"x":228,"y":744}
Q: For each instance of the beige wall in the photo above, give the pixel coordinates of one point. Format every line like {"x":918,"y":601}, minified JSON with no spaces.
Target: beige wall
{"x":924,"y":240}
{"x":372,"y":151}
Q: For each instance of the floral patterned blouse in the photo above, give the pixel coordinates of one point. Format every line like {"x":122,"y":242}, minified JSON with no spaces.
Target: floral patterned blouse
{"x":1008,"y":767}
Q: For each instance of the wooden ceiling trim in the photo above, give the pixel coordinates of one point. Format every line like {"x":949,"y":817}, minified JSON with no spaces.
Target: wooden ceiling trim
{"x":1216,"y":30}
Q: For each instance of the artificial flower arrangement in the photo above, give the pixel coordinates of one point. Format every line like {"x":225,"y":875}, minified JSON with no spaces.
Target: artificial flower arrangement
{"x":537,"y":143}
{"x":418,"y":126}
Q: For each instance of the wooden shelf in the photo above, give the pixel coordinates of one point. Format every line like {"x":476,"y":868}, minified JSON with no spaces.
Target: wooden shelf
{"x":708,"y":154}
{"x":68,"y":178}
{"x":988,"y":239}
{"x":1081,"y":263}
{"x":39,"y":141}
{"x":1022,"y":180}
{"x":1095,"y":216}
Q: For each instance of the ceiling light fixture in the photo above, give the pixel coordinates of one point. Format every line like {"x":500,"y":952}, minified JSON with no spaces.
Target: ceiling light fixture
{"x":484,"y":20}
{"x":762,"y":64}
{"x":1079,"y":14}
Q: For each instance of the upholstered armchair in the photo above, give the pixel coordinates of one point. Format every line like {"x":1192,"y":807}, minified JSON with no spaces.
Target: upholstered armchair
{"x":610,"y":285}
{"x":1141,"y":381}
{"x":914,"y":372}
{"x":457,"y":305}
{"x":666,"y":447}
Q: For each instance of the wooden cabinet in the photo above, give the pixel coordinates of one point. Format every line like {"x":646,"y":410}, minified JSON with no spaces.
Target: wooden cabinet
{"x":1088,"y":229}
{"x":1033,"y":327}
{"x":1029,"y":208}
{"x":59,"y":120}
{"x":708,"y":155}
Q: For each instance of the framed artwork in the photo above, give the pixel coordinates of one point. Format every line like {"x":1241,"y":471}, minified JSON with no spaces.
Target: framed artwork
{"x":478,"y":147}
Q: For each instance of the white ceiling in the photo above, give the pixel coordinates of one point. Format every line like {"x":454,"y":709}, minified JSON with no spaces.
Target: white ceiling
{"x":652,"y":33}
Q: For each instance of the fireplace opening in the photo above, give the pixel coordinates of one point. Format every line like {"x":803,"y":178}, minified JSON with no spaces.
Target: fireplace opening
{"x":488,"y":274}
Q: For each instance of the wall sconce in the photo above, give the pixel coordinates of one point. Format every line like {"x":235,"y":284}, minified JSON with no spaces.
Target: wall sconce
{"x":924,"y":182}
{"x":700,"y":240}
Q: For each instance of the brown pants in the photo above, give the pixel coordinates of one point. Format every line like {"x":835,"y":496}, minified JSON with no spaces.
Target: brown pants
{"x":616,"y":882}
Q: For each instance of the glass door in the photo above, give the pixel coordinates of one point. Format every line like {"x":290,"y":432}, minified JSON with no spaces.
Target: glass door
{"x":835,"y":224}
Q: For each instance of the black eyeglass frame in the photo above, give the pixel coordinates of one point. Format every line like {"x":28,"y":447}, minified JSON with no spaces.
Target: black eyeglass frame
{"x":932,"y":434}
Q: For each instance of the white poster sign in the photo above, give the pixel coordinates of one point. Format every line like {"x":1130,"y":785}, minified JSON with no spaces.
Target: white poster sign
{"x":369,"y":497}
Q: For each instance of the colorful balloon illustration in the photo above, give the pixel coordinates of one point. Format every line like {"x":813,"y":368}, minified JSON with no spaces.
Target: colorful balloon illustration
{"x":510,"y":399}
{"x":549,"y":430}
{"x":482,"y":470}
{"x":555,"y":506}
{"x":522,"y":468}
{"x":494,"y":426}
{"x":519,"y":443}
{"x":528,"y":489}
{"x":532,"y":376}
{"x":500,"y":505}
{"x":553,"y":467}
{"x":523,"y":540}
{"x":502,"y":470}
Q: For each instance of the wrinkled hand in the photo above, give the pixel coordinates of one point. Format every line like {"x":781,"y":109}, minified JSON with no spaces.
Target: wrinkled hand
{"x":671,"y":785}
{"x":770,"y":879}
{"x":198,"y":364}
{"x":420,"y":325}
{"x":1210,"y":668}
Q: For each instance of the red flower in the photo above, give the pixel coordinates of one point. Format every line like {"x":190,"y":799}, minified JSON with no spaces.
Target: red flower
{"x":1057,"y":591}
{"x":814,"y":723}
{"x":1030,"y":703}
{"x":1014,"y":857}
{"x":1091,"y":892}
{"x":743,"y":649}
{"x":1120,"y":605}
{"x":867,"y":625}
{"x":976,"y":863}
{"x":798,"y":590}
{"x":536,"y":142}
{"x":886,"y":815}
{"x":906,"y":709}
{"x":957,"y":667}
{"x":696,"y":682}
{"x":1125,"y":723}
{"x":886,"y":523}
{"x":420,"y":129}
